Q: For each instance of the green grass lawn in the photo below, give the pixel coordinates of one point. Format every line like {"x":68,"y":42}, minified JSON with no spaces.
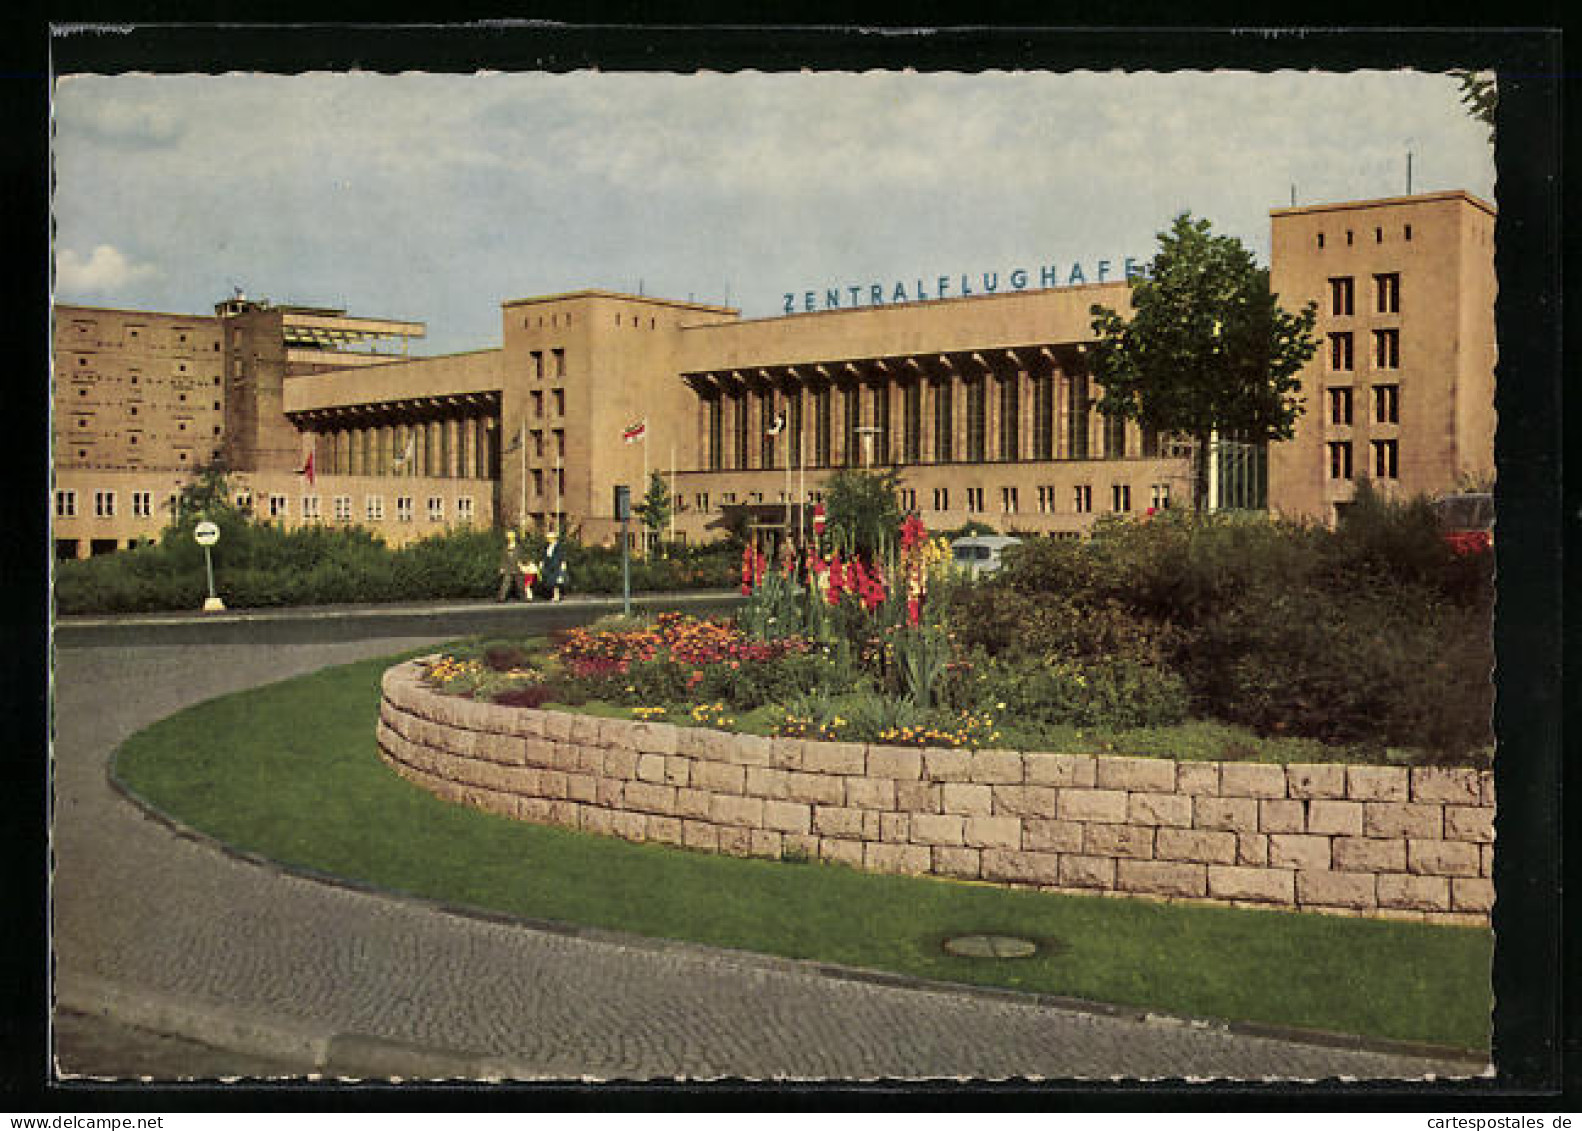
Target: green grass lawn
{"x":291,"y":771}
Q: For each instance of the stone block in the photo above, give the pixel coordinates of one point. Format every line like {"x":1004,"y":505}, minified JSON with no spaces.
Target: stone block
{"x":788,"y":816}
{"x":841,"y":851}
{"x":820,"y":789}
{"x":1401,"y":818}
{"x":1485,"y":860}
{"x":1139,"y":775}
{"x":537,"y":810}
{"x":839,"y":822}
{"x":1231,"y":814}
{"x":1197,"y":779}
{"x":569,"y":757}
{"x":1026,"y":800}
{"x":938,"y":829}
{"x":590,"y":760}
{"x":1415,"y":893}
{"x":1106,"y":805}
{"x":1367,"y":854}
{"x":1135,"y":842}
{"x":1471,"y":894}
{"x":736,"y":841}
{"x":1002,"y":865}
{"x":678,"y":770}
{"x":582,"y":787}
{"x":692,"y":803}
{"x":1259,"y":885}
{"x":798,"y":846}
{"x":870,"y":824}
{"x":651,"y":767}
{"x":962,"y":863}
{"x":905,"y":859}
{"x":1252,"y":849}
{"x":996,"y":767}
{"x":1377,"y":783}
{"x":1474,"y":823}
{"x":895,"y":828}
{"x":1251,"y":779}
{"x":969,"y":800}
{"x":525,"y":722}
{"x":617,"y":763}
{"x":1336,"y":889}
{"x":1067,"y":771}
{"x":746,"y":812}
{"x":1310,"y":781}
{"x":845,"y":758}
{"x":993,"y":832}
{"x":1294,"y":850}
{"x":662,"y":830}
{"x":1279,"y":816}
{"x":870,"y":793}
{"x":646,"y":797}
{"x":899,"y":763}
{"x":557,"y":726}
{"x":1162,"y":877}
{"x":552,"y":784}
{"x":750,"y":749}
{"x":785,"y":753}
{"x":1441,"y":857}
{"x":1486,"y":783}
{"x":719,"y":777}
{"x":1169,"y":809}
{"x":1202,"y":846}
{"x":617,"y":732}
{"x":498,"y":748}
{"x":1041,"y":835}
{"x":612,"y":793}
{"x":1448,"y":786}
{"x":1087,"y":871}
{"x":706,"y":744}
{"x":941,"y":765}
{"x":917,"y":796}
{"x":765,"y":843}
{"x":652,"y":737}
{"x":1335,"y":818}
{"x":585,"y":731}
{"x":541,"y":752}
{"x":700,"y":834}
{"x":766,"y":782}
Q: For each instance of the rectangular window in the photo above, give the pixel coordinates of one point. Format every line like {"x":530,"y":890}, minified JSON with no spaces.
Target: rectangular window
{"x":739,"y":419}
{"x":436,"y":508}
{"x":560,"y":401}
{"x":1011,"y":419}
{"x":1386,"y":349}
{"x":1341,"y":359}
{"x":1339,"y":459}
{"x":310,"y":506}
{"x":403,"y":508}
{"x":1160,"y":497}
{"x":343,"y":508}
{"x":1008,"y":500}
{"x":881,"y":421}
{"x":1046,"y":500}
{"x":974,"y":500}
{"x":1114,"y":437}
{"x":559,"y":356}
{"x":1043,"y":417}
{"x":944,"y":424}
{"x":702,"y":502}
{"x":142,"y":504}
{"x":766,"y":419}
{"x":65,"y":504}
{"x":912,"y":423}
{"x":538,"y":444}
{"x":793,"y":411}
{"x":374,"y":507}
{"x":1079,"y":408}
{"x":1340,"y":405}
{"x":821,"y":427}
{"x":464,"y":508}
{"x":1341,"y":294}
{"x":1120,"y":497}
{"x":104,"y":504}
{"x":1385,"y":454}
{"x":538,"y":403}
{"x":852,"y":442}
{"x":977,"y":396}
{"x":1084,"y":499}
{"x":1386,"y":404}
{"x":908,"y":499}
{"x":942,"y":498}
{"x":1387,"y":293}
{"x":716,"y":413}
{"x":537,"y":364}
{"x":277,"y":506}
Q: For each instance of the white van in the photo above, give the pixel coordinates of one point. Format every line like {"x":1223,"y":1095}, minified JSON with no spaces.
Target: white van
{"x":980,"y":553}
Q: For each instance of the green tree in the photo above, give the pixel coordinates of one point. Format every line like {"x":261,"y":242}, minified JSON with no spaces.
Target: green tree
{"x":1479,"y":95}
{"x":1207,"y":348}
{"x":863,"y":510}
{"x":655,"y":508}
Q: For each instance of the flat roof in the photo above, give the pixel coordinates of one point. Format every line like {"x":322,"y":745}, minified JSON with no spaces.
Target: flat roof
{"x":1388,"y":201}
{"x":60,"y":306}
{"x":595,"y":292}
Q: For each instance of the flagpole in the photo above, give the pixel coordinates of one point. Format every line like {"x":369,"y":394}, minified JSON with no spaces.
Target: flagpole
{"x":645,"y":482}
{"x":672,"y":493}
{"x":521,"y":500}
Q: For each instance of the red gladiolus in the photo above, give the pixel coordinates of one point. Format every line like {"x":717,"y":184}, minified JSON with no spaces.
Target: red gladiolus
{"x":837,"y":578}
{"x":912,"y":533}
{"x":914,"y":611}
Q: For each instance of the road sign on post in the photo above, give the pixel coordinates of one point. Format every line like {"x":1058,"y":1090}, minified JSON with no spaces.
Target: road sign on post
{"x":623,"y":511}
{"x":207,"y":534}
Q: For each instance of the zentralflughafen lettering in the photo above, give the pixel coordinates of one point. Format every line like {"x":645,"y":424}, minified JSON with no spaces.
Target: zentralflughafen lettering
{"x":958,"y":286}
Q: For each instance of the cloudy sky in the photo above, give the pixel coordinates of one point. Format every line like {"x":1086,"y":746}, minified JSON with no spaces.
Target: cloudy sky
{"x":435,"y":197}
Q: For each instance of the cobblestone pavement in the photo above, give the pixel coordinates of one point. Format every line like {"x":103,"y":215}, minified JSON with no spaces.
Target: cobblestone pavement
{"x":89,"y":1049}
{"x":256,"y":960}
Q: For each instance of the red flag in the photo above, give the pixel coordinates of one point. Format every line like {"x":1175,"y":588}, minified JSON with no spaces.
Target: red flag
{"x":307,"y":469}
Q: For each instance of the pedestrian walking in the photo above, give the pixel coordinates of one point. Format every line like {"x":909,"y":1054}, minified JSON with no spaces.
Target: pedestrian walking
{"x":554,"y":572}
{"x":511,"y":574}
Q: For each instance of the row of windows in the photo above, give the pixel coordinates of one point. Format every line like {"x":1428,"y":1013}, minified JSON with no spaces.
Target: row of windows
{"x":1386,"y":295}
{"x":976,"y":503}
{"x":104,"y":505}
{"x":558,"y":402}
{"x":1386,"y":350}
{"x":1386,"y":459}
{"x":1378,"y":235}
{"x":1386,"y":404}
{"x":556,"y":361}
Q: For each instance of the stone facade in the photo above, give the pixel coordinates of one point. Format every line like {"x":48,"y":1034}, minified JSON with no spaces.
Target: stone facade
{"x":1384,"y":842}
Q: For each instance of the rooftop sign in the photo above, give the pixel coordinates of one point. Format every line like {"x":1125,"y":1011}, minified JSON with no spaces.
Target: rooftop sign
{"x":963,"y":285}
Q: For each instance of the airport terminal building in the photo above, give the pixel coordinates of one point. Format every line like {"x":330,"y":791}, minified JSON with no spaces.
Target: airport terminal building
{"x":982,"y":404}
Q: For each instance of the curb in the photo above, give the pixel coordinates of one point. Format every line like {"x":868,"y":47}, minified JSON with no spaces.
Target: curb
{"x":357,"y":1054}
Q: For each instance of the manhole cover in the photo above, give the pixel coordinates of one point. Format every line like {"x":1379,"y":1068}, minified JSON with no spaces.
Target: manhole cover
{"x":990,"y":946}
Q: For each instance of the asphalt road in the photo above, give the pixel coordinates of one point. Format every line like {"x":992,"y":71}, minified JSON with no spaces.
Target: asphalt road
{"x":161,"y":934}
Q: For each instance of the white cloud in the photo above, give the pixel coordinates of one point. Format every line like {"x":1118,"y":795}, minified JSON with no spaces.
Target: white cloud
{"x":104,"y":271}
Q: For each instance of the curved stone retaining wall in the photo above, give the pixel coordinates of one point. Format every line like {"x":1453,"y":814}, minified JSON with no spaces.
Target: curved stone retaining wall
{"x":1378,"y":841}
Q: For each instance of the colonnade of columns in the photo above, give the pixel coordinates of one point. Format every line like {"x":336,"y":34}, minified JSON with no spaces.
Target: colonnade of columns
{"x":1006,"y":405}
{"x":441,"y":447}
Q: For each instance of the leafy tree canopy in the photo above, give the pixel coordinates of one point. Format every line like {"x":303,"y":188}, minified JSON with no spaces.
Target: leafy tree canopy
{"x":1479,"y":95}
{"x":1207,"y":347}
{"x":655,"y":507}
{"x":863,"y":510}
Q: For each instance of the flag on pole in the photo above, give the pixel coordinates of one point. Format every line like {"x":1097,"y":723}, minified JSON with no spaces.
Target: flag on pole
{"x":635,"y":432}
{"x":517,"y":442}
{"x":307,"y":469}
{"x":777,"y":426}
{"x":406,"y":455}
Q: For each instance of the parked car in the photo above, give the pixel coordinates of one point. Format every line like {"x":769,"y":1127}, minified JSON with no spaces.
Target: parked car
{"x":1467,"y":520}
{"x":980,"y":553}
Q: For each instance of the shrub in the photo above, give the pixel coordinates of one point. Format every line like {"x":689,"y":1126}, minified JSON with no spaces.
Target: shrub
{"x":1110,"y":693}
{"x":531,"y":695}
